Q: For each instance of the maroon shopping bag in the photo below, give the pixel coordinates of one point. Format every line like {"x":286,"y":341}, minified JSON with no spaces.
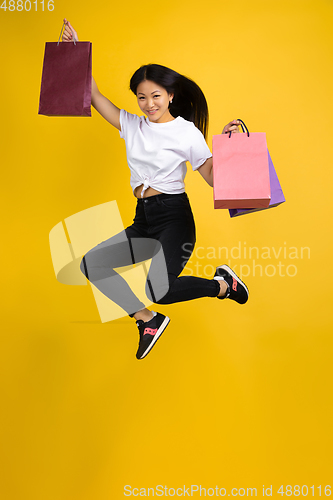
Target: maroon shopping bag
{"x":66,"y":79}
{"x":277,"y":196}
{"x":240,"y":170}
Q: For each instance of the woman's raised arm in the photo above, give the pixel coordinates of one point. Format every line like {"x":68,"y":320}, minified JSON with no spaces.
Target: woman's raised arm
{"x":101,"y":103}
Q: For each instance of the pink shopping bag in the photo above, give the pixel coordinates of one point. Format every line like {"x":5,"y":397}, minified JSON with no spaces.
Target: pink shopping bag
{"x":277,"y":196}
{"x":241,"y":170}
{"x":66,"y":79}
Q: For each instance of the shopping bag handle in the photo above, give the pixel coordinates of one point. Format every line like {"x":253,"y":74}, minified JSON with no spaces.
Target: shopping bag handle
{"x":61,"y":34}
{"x":242,"y":125}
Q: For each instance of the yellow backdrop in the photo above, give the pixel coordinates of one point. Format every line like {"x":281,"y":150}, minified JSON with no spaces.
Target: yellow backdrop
{"x":232,"y":396}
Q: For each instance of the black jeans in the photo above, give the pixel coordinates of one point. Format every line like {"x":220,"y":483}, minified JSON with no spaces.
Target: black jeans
{"x":163,"y":229}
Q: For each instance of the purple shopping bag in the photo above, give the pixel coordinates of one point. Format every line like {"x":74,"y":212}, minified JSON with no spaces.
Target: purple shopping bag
{"x":66,"y":79}
{"x":277,"y":196}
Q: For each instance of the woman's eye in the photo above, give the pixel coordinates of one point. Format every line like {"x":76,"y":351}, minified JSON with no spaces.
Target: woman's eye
{"x":140,"y":98}
{"x":157,"y":95}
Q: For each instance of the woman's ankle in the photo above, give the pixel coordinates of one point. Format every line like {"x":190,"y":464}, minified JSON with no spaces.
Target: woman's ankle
{"x":145,"y":315}
{"x":223,"y":288}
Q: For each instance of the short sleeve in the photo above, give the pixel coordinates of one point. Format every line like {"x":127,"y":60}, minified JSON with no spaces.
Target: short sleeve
{"x":128,"y":122}
{"x":199,"y":152}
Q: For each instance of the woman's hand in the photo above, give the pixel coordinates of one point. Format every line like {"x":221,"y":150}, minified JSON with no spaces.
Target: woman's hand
{"x":69,"y":32}
{"x":231,"y":127}
{"x":105,"y":107}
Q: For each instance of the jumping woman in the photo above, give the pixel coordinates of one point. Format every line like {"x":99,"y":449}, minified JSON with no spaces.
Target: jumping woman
{"x":158,"y":146}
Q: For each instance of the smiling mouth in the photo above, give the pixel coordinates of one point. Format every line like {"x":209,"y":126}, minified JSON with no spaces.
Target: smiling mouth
{"x":152,"y":111}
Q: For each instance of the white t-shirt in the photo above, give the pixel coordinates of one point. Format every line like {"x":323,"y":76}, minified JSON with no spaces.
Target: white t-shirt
{"x":157,"y":152}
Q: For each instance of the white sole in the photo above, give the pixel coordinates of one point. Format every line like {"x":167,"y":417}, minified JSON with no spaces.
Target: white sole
{"x":230,"y":271}
{"x":156,"y":336}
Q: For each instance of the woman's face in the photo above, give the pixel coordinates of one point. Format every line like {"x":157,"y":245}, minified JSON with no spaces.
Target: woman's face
{"x":154,"y":101}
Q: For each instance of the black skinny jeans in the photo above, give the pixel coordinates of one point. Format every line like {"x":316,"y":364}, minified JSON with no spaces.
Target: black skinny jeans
{"x":163,"y":229}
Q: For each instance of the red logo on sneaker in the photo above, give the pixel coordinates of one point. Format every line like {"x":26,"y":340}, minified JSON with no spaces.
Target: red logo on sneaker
{"x":150,"y":331}
{"x":234,"y":284}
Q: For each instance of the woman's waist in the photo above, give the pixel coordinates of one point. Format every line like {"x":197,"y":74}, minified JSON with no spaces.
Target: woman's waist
{"x":162,"y":196}
{"x":152,"y":183}
{"x":145,"y":190}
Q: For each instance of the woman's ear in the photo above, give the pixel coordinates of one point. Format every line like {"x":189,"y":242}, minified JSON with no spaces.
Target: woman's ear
{"x":171,"y":98}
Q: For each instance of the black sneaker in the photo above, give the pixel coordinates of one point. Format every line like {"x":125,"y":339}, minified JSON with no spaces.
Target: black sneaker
{"x":150,"y":332}
{"x":237,"y":290}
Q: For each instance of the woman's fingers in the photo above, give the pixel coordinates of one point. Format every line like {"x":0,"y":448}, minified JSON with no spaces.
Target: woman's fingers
{"x":69,"y":32}
{"x":231,"y":127}
{"x":66,"y":36}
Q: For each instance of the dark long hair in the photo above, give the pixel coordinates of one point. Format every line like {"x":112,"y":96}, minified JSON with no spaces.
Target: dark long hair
{"x":188,"y":101}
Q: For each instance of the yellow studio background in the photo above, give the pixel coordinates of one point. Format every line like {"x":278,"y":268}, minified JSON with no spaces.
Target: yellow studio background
{"x":234,"y":397}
